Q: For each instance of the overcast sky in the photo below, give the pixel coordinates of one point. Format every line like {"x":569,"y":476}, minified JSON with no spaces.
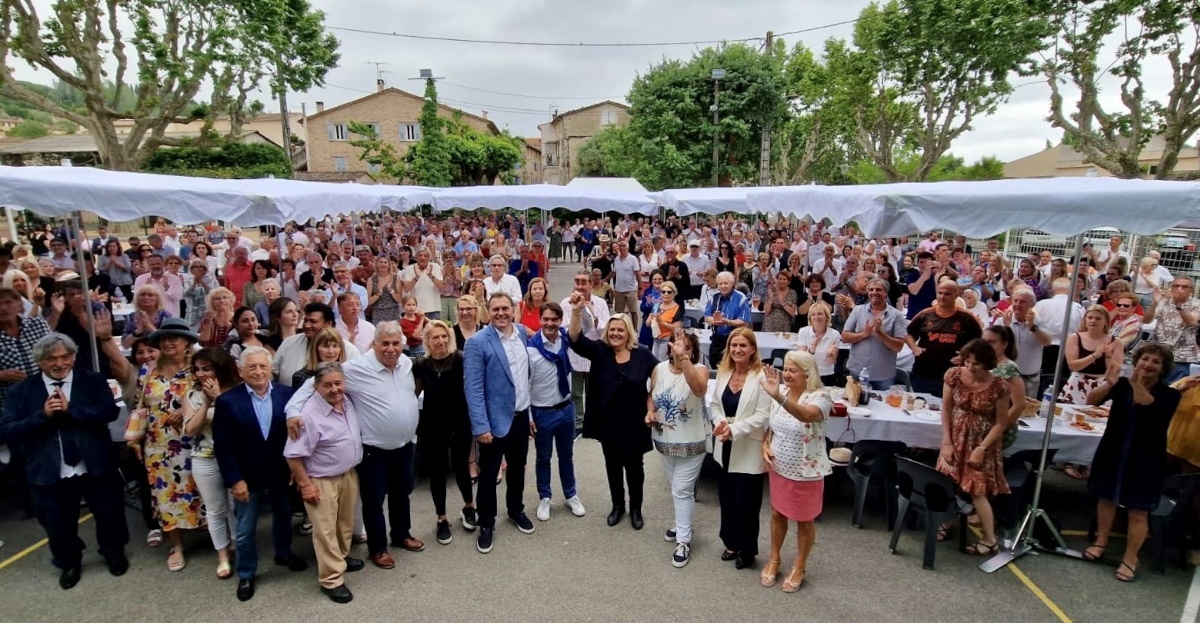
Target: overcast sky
{"x":563,"y":78}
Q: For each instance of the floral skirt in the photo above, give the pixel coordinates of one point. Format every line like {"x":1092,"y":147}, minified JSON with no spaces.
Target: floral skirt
{"x":1076,"y":389}
{"x":176,"y":496}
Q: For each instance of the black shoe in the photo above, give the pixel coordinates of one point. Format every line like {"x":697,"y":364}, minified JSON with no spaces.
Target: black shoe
{"x":354,"y":564}
{"x":615,"y":516}
{"x":338,"y":594}
{"x":483,"y":542}
{"x":245,"y":589}
{"x":521,"y":521}
{"x":70,"y":577}
{"x":291,"y":561}
{"x":443,"y":532}
{"x":635,"y":518}
{"x":470,"y":519}
{"x":728,"y":555}
{"x":117,"y":565}
{"x":743,"y":562}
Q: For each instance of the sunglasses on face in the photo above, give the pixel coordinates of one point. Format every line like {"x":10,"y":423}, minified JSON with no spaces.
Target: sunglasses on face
{"x":1123,"y":306}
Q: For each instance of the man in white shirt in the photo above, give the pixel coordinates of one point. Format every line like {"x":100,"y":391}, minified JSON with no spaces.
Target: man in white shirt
{"x":351,"y":325}
{"x":595,"y":318}
{"x":1029,"y":338}
{"x":828,"y":267}
{"x":342,"y":282}
{"x":423,"y":280}
{"x":1160,"y":271}
{"x":383,"y":389}
{"x":697,"y":263}
{"x":1108,"y":257}
{"x":500,"y":280}
{"x":625,"y":282}
{"x":292,"y":355}
{"x":552,"y":410}
{"x":1048,"y":316}
{"x":170,"y":285}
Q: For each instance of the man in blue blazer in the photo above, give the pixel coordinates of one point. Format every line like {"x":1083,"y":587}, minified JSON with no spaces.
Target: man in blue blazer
{"x":249,"y":432}
{"x":58,"y":420}
{"x":497,"y":386}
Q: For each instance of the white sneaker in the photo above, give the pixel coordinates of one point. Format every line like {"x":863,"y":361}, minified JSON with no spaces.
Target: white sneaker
{"x":543,"y":511}
{"x":576,"y":506}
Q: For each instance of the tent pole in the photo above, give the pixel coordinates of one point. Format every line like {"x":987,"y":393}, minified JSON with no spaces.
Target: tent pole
{"x":1023,"y":542}
{"x":87,"y":295}
{"x":12,"y":226}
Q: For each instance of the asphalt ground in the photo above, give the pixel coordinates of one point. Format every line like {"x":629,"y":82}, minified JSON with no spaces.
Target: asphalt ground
{"x":581,"y":569}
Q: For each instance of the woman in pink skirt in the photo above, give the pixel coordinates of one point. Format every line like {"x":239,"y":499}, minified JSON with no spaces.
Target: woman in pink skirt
{"x":794,"y":450}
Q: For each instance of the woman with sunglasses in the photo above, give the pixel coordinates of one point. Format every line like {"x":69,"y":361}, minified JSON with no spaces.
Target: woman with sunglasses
{"x":665,"y":318}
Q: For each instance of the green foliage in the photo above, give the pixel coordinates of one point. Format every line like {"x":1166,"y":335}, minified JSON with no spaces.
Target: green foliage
{"x":947,"y":169}
{"x":230,"y":160}
{"x":429,"y":161}
{"x":29,"y":129}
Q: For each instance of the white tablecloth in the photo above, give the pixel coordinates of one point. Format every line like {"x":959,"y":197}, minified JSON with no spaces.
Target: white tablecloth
{"x":696,"y":312}
{"x":892,"y":424}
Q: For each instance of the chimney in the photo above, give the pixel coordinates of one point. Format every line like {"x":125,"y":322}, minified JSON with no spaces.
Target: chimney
{"x":320,"y":106}
{"x":484,"y":114}
{"x":379,"y":85}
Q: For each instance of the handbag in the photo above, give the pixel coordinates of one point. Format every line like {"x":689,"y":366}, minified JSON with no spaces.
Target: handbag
{"x":839,"y":450}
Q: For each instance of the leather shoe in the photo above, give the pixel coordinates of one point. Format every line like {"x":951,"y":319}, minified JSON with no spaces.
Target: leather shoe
{"x":383,"y":560}
{"x":615,"y":516}
{"x":338,"y":594}
{"x":117,"y":565}
{"x":70,"y":577}
{"x":410,"y":544}
{"x":728,"y":555}
{"x":354,"y":564}
{"x":245,"y":589}
{"x":742,"y":562}
{"x":291,"y":561}
{"x":635,"y":518}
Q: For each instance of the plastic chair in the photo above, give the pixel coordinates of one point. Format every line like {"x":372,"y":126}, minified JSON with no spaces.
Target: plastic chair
{"x":874,"y":459}
{"x":690,"y":322}
{"x":776,"y":358}
{"x":902,"y":378}
{"x":1020,"y":470}
{"x":923,"y":488}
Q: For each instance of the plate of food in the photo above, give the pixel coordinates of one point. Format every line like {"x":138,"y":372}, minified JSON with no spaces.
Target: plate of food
{"x":858,"y":411}
{"x":927,"y":415}
{"x":1095,"y":413}
{"x":1080,"y":423}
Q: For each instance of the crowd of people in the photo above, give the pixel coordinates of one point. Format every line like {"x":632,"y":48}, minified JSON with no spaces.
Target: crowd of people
{"x":292,"y":370}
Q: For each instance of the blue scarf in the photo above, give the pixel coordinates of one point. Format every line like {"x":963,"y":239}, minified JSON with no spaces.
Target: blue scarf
{"x":560,"y":360}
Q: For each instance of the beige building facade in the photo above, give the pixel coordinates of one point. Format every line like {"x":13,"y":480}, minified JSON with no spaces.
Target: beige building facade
{"x":531,"y":165}
{"x":1063,"y":161}
{"x":565,"y":134}
{"x":267,"y":124}
{"x":394,"y":113}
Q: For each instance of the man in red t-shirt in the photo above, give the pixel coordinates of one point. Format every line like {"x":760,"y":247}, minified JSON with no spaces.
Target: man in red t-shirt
{"x":935,"y":335}
{"x":237,"y":272}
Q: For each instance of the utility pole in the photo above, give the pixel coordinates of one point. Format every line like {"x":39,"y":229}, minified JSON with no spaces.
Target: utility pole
{"x":284,"y":121}
{"x":764,"y":161}
{"x":717,"y":75}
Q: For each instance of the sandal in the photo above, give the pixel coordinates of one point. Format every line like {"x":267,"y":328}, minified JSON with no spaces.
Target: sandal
{"x":793,"y":581}
{"x":979,"y":548}
{"x":1093,"y":557}
{"x":154,"y":538}
{"x":1078,"y":472}
{"x":770,"y":572}
{"x":1125,"y":577}
{"x":224,"y":570}
{"x":944,"y":531}
{"x":176,"y":561}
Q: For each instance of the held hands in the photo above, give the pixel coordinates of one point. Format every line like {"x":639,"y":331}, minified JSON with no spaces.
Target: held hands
{"x":240,"y":491}
{"x":768,"y":456}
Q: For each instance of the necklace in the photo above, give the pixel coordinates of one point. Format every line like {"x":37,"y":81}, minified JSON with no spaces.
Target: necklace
{"x":441,"y":366}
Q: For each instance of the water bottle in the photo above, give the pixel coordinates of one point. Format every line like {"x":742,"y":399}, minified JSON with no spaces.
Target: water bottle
{"x":864,"y":379}
{"x":1048,"y":403}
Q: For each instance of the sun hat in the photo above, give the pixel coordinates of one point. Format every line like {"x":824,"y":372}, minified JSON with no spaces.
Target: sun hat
{"x":169,"y":327}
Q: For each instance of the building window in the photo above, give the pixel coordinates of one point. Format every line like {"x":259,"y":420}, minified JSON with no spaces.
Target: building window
{"x":337,"y":132}
{"x":551,"y":154}
{"x":410,"y":132}
{"x":608,"y":117}
{"x":378,"y":130}
{"x":374,"y":168}
{"x":339,"y":164}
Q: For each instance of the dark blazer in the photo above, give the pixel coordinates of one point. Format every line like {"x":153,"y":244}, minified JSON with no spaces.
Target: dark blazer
{"x":607,"y":415}
{"x":34,"y":436}
{"x":241,"y":451}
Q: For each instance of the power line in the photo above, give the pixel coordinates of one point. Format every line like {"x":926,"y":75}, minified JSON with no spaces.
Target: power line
{"x":489,"y":107}
{"x":581,"y":44}
{"x":536,"y":97}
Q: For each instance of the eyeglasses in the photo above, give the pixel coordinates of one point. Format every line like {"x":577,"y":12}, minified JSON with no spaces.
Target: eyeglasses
{"x":1123,"y":306}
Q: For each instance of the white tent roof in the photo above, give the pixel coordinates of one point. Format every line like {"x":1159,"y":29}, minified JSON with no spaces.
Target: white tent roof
{"x":685,"y":201}
{"x":1061,"y":206}
{"x":618,"y":184}
{"x":543,"y":196}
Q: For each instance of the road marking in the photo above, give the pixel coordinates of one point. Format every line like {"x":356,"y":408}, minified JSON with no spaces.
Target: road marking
{"x":1191,"y":607}
{"x":28,"y":550}
{"x":1033,"y":588}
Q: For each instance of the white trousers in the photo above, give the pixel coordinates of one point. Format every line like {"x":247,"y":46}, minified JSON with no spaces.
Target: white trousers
{"x":218,"y":503}
{"x":683,"y":473}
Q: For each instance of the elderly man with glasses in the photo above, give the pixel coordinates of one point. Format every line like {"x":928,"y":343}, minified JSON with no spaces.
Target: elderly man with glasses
{"x":1177,"y":315}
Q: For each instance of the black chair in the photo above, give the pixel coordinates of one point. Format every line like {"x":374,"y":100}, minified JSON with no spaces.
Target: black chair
{"x":902,"y":378}
{"x":923,"y":488}
{"x":1169,"y":521}
{"x":874,"y":459}
{"x":1020,"y":470}
{"x":776,"y":358}
{"x":690,"y":322}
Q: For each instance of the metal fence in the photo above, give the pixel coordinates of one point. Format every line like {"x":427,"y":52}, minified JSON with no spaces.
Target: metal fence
{"x":1177,"y":247}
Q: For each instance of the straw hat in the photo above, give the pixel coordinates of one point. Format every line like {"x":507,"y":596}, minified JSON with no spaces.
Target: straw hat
{"x":840,"y":456}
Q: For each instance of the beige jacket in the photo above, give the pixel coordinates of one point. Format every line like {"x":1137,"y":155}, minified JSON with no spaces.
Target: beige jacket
{"x":747,"y":426}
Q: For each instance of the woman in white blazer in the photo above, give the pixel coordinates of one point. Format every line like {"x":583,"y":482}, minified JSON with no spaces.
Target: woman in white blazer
{"x":740,"y":411}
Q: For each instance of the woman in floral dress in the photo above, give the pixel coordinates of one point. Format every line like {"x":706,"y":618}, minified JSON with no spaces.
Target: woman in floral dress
{"x":975,"y":408}
{"x":167,"y":451}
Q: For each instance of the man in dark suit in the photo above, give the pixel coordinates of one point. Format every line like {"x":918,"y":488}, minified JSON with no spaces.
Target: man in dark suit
{"x":780,"y":253}
{"x":58,"y":421}
{"x":249,"y":432}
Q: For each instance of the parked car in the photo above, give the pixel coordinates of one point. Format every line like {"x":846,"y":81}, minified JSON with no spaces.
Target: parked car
{"x":1176,"y":248}
{"x":1036,"y":240}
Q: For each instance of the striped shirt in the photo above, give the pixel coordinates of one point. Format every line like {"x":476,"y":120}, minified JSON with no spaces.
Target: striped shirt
{"x":17,"y":353}
{"x":330,"y":443}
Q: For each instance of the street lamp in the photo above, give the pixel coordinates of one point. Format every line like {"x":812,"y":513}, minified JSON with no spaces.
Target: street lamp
{"x":717,"y":76}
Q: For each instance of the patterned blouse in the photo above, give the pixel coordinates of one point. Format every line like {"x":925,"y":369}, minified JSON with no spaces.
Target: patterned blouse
{"x":683,"y":432}
{"x":799,"y":447}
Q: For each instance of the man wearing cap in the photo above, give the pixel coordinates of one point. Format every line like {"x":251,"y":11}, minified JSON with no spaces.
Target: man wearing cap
{"x":602,"y":257}
{"x":697,"y":263}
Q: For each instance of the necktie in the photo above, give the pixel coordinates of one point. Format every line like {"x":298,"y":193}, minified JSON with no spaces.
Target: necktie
{"x":70,"y":449}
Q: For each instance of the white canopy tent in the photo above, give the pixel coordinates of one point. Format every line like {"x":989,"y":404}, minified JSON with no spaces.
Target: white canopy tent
{"x":543,"y":196}
{"x":1061,"y":206}
{"x":688,"y":201}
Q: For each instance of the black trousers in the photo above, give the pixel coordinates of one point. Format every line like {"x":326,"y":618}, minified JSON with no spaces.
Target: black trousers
{"x":514,"y":448}
{"x":444,"y":454}
{"x":716,"y":350}
{"x":1050,"y":354}
{"x":741,"y":500}
{"x":57,"y":508}
{"x":623,"y":466}
{"x":386,"y":474}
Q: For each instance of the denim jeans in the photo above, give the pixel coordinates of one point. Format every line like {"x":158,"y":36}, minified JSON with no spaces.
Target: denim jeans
{"x":682,"y":474}
{"x":555,"y":428}
{"x":246,"y":515}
